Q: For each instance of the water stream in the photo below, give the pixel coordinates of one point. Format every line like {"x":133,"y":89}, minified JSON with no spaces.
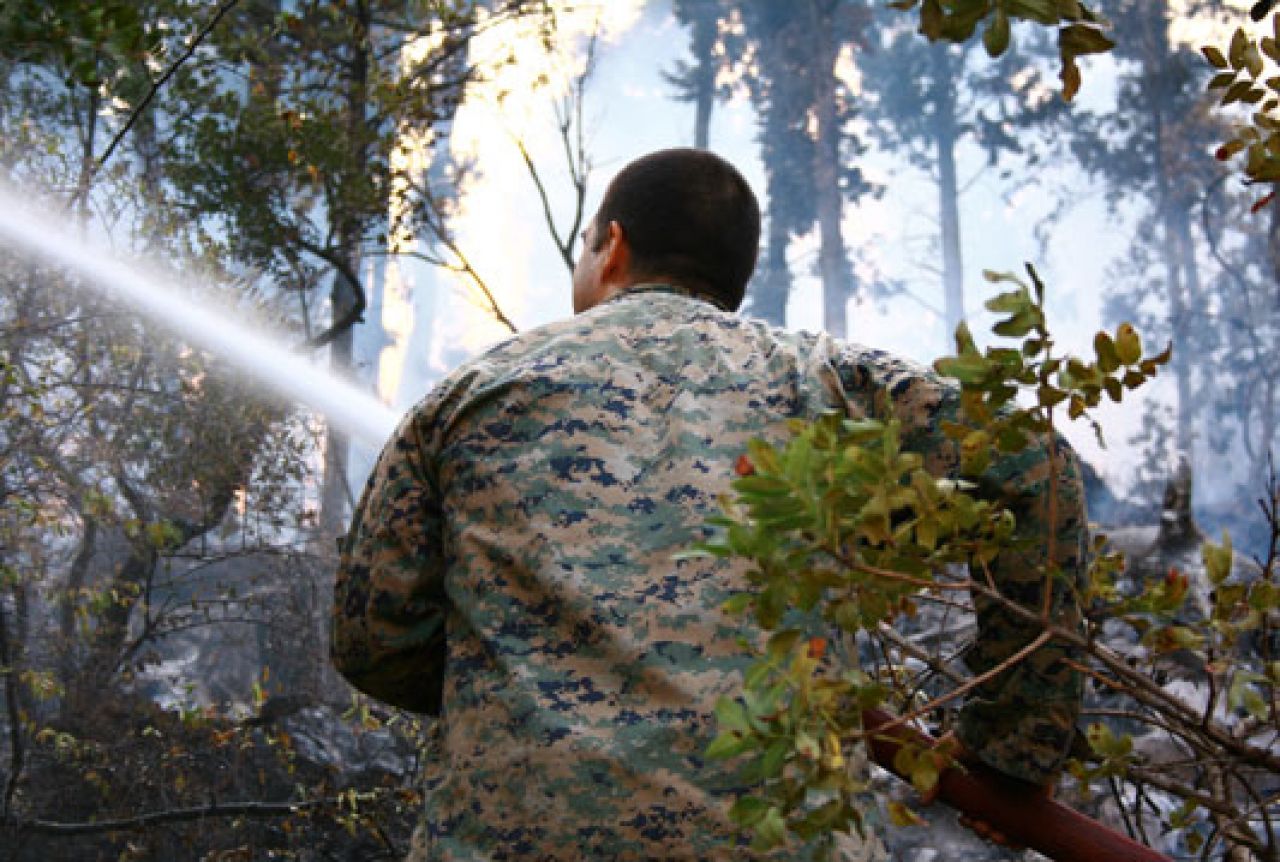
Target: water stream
{"x":261,"y":355}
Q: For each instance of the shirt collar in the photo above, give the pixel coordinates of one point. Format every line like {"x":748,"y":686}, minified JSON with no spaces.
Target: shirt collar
{"x":659,"y":287}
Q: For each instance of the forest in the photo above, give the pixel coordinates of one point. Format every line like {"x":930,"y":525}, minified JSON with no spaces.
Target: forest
{"x":378,"y":190}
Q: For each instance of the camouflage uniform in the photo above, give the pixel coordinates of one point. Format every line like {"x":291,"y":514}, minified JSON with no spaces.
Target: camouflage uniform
{"x":526,"y":514}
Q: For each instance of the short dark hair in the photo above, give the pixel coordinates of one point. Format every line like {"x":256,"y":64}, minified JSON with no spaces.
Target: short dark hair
{"x":687,"y":215}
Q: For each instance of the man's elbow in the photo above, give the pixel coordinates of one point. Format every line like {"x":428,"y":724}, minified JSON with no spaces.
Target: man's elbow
{"x":410,"y":680}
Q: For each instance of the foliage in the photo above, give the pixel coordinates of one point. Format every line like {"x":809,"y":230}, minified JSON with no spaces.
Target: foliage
{"x":1080,"y":29}
{"x":1246,"y":73}
{"x":846,"y":533}
{"x":154,"y":510}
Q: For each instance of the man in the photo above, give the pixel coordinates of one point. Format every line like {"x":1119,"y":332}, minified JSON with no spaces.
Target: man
{"x":510,"y":566}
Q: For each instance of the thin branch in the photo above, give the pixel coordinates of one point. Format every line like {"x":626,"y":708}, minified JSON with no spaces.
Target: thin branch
{"x":463,"y":268}
{"x":961,"y":690}
{"x":136,"y":113}
{"x":343,"y":268}
{"x":174,"y":815}
{"x":933,"y":663}
{"x":565,"y":249}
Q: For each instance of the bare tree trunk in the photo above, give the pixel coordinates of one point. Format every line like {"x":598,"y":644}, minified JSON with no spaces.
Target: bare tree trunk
{"x":833,"y":263}
{"x":10,"y":648}
{"x":704,"y":39}
{"x":336,"y":493}
{"x":944,"y":130}
{"x":769,"y":300}
{"x":1179,"y":260}
{"x":1273,"y":242}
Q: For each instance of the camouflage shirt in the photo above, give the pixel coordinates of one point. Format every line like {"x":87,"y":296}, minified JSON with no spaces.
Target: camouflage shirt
{"x":510,"y":568}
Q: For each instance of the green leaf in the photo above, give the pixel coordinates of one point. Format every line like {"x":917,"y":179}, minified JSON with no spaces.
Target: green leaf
{"x":783,"y":642}
{"x":727,"y":745}
{"x":1214,"y":56}
{"x":1080,"y":39}
{"x":1236,"y":52}
{"x":770,"y":486}
{"x":775,"y":757}
{"x":1011,"y":302}
{"x":969,"y":368}
{"x":1041,"y":11}
{"x":732,"y":715}
{"x":771,"y":831}
{"x":996,"y":37}
{"x":1217,"y":559}
{"x":1106,"y":743}
{"x":1243,"y":695}
{"x":1128,"y":344}
{"x":1105,"y":348}
{"x":748,"y":811}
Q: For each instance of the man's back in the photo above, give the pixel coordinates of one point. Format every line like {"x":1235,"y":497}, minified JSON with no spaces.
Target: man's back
{"x":511,"y":564}
{"x":571,"y":465}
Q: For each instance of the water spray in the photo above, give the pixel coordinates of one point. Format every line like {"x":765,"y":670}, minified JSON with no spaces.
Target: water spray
{"x":144,"y":288}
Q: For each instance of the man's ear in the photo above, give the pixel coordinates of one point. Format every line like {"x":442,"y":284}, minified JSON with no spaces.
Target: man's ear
{"x":616,"y":265}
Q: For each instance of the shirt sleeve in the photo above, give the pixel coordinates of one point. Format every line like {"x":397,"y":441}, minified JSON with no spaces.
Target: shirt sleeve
{"x":1023,"y":719}
{"x":389,"y":612}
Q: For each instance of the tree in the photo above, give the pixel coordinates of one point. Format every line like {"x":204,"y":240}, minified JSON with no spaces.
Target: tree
{"x":286,"y":135}
{"x":929,"y":98}
{"x":807,"y":145}
{"x":848,"y":534}
{"x":149,"y":494}
{"x":1149,"y":147}
{"x":1079,"y":29}
{"x":695,"y":81}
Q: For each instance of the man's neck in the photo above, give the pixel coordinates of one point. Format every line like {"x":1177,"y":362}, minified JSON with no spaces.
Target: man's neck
{"x":659,"y":285}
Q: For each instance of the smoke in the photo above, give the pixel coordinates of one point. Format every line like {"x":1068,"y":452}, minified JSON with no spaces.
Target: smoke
{"x":261,"y":355}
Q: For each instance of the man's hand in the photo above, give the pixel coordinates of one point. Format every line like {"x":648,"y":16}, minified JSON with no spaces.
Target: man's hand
{"x":961,"y":756}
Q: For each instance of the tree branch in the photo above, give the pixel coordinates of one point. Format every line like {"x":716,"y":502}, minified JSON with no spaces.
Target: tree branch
{"x":137,"y":112}
{"x":174,"y":815}
{"x":356,"y":313}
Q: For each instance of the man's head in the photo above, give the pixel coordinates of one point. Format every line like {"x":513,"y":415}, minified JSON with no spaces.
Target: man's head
{"x":683,"y":216}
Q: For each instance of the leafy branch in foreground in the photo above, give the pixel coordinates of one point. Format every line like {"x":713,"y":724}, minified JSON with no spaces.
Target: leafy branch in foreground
{"x":1246,"y":73}
{"x":1081,"y":31}
{"x":846,"y":532}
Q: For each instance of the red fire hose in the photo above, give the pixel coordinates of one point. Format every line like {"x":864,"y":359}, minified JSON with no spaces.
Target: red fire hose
{"x":1011,"y":807}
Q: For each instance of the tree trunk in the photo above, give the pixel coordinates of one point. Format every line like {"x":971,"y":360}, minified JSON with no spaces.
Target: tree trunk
{"x":1273,"y":242}
{"x":769,"y":299}
{"x":833,"y":263}
{"x":336,"y":493}
{"x":1179,"y":260}
{"x":944,"y":131}
{"x":1183,"y":249}
{"x":704,"y":40}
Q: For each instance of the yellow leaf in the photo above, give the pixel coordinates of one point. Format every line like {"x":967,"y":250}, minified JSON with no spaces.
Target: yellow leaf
{"x":901,"y":815}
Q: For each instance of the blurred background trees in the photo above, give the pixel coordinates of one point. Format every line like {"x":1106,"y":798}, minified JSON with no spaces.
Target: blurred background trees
{"x":166,"y":533}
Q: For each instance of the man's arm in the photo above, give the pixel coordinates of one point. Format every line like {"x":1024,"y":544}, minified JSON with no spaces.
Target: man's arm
{"x":1022,"y":720}
{"x":389,"y":604}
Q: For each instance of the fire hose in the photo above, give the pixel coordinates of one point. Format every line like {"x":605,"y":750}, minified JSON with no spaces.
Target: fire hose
{"x":1011,"y":807}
